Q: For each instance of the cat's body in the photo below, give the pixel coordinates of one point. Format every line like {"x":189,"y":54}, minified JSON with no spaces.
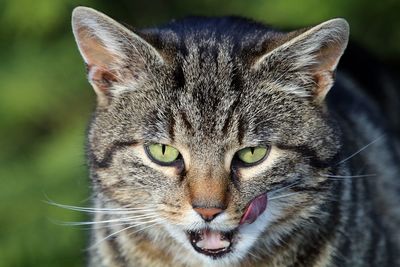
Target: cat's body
{"x":212,"y":88}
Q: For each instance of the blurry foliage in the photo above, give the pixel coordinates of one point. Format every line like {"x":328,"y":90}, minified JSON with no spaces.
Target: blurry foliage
{"x":45,"y":103}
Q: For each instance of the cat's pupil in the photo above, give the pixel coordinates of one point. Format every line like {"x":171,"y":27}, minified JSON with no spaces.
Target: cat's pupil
{"x":163,"y":148}
{"x":252,"y":150}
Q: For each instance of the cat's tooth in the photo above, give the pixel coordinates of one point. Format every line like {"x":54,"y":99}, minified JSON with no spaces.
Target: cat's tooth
{"x":225,"y":243}
{"x":200,"y":244}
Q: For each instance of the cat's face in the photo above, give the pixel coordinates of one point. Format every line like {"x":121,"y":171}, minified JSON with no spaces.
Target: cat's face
{"x":213,"y":145}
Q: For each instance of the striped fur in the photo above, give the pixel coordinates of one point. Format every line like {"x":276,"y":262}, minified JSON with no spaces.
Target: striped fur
{"x":209,"y":87}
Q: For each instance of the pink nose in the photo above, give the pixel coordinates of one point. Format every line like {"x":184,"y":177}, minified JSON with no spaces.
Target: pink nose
{"x":208,"y":214}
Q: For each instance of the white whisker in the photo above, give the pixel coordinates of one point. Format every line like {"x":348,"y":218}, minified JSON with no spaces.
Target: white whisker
{"x":143,"y":228}
{"x":105,"y":226}
{"x":341,"y":177}
{"x":157,"y":221}
{"x":110,"y":235}
{"x":105,"y":210}
{"x":283,"y":188}
{"x":126,"y":219}
{"x":281,"y":196}
{"x":254,"y":255}
{"x":360,"y":150}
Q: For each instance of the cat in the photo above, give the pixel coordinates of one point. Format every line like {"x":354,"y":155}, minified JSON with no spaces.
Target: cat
{"x":215,"y":143}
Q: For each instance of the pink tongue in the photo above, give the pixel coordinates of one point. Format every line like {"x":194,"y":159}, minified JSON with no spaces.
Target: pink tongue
{"x":254,"y":209}
{"x":212,"y":240}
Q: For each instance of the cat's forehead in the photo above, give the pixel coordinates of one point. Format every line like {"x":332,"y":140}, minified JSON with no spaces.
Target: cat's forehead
{"x":208,"y":74}
{"x":208,"y":88}
{"x":209,"y":94}
{"x":220,"y":102}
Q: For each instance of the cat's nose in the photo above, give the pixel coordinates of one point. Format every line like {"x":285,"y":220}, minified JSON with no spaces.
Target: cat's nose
{"x":208,"y":214}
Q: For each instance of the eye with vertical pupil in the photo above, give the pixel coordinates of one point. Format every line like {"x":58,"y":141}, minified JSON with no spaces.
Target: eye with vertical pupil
{"x":252,"y":155}
{"x":162,"y":154}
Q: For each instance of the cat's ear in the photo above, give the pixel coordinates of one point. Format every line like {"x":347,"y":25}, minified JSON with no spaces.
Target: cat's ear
{"x":307,"y":59}
{"x":117,"y":59}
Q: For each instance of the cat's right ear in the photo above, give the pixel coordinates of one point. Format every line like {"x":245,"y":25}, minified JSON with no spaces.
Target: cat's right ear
{"x":117,"y":59}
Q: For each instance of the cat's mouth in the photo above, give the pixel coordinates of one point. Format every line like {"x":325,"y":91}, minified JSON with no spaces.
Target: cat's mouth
{"x":211,"y":243}
{"x":218,"y":243}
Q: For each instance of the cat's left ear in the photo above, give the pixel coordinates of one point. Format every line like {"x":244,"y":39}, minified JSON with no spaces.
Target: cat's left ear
{"x":307,"y":59}
{"x":117,"y":59}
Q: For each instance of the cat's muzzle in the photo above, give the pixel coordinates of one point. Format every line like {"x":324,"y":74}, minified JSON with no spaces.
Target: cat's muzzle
{"x":217,"y":243}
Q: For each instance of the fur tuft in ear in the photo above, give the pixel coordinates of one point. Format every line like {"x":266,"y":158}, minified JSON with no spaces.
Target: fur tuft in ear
{"x":309,"y":59}
{"x":117,"y":59}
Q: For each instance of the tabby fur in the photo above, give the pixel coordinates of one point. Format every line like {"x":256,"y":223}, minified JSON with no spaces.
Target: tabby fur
{"x":212,"y":86}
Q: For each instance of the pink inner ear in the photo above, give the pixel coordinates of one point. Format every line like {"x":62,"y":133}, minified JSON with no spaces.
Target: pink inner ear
{"x":254,"y":209}
{"x":101,"y":78}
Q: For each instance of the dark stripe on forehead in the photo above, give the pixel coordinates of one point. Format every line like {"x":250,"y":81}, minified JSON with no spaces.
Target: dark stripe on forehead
{"x":228,"y":119}
{"x":171,"y":127}
{"x":202,"y":56}
{"x":179,"y":77}
{"x":237,"y":80}
{"x":186,"y":122}
{"x":182,"y":46}
{"x":237,"y":85}
{"x":241,"y":130}
{"x":108,"y":154}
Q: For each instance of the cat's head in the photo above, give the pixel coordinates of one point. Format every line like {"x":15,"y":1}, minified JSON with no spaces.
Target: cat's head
{"x":214,"y":136}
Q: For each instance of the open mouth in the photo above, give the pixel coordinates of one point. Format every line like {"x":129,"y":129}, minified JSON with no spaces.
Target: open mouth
{"x":211,"y":243}
{"x":217,"y":243}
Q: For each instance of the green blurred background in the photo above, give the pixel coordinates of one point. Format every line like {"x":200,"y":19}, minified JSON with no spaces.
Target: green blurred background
{"x":45,"y":103}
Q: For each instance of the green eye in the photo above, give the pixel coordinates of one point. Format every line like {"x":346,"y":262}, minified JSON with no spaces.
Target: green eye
{"x":162,"y":154}
{"x":252,"y":155}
